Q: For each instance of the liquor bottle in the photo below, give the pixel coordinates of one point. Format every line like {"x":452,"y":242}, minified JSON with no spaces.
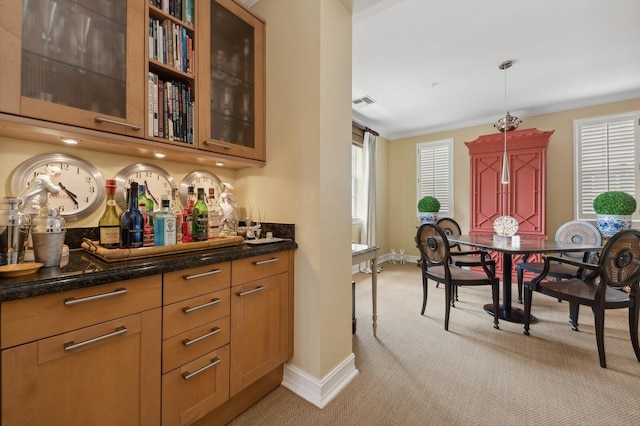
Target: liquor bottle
{"x":164,"y":225}
{"x":147,"y":234}
{"x":187,"y":217}
{"x":109,"y":223}
{"x":214,"y":214}
{"x":131,"y":221}
{"x":200,"y":221}
{"x":148,"y":202}
{"x":176,"y":208}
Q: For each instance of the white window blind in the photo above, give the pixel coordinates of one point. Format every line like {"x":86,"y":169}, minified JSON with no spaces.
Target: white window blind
{"x":435,"y":173}
{"x":606,"y":159}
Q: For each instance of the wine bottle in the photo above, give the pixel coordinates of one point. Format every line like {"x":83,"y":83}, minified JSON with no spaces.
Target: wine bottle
{"x":109,"y":224}
{"x":187,"y":217}
{"x":200,"y":218}
{"x":164,"y":225}
{"x":131,"y":221}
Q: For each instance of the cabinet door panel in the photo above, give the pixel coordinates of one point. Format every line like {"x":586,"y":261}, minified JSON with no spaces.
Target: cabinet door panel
{"x":259,"y":329}
{"x":111,"y":381}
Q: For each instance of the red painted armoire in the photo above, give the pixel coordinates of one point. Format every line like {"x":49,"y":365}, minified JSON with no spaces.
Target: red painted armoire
{"x":524,"y":197}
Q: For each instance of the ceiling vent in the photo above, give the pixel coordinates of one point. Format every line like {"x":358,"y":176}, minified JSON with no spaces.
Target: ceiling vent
{"x":363,"y":101}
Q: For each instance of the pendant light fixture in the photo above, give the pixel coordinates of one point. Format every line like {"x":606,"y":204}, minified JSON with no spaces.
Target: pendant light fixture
{"x":505,"y":124}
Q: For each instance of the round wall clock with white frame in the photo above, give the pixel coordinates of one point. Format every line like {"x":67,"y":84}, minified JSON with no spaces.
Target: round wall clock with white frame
{"x":157,"y":181}
{"x":201,"y":179}
{"x":83,"y":186}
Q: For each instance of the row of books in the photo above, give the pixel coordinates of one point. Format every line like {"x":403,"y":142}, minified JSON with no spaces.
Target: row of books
{"x":171,"y":106}
{"x":181,"y":9}
{"x":171,"y":44}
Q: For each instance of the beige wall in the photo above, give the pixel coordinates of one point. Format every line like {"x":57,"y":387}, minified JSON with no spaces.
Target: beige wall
{"x":559,"y":203}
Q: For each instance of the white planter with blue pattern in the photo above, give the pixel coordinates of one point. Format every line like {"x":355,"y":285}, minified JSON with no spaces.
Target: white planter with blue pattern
{"x":428,"y":217}
{"x":611,"y":224}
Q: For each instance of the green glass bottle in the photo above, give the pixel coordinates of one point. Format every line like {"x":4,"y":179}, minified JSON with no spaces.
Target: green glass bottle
{"x":200,"y":218}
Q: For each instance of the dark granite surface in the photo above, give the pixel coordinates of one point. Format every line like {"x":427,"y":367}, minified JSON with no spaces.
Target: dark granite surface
{"x":86,"y":270}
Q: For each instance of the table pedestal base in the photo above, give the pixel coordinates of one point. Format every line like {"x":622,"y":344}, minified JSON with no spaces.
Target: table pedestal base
{"x":508,"y":314}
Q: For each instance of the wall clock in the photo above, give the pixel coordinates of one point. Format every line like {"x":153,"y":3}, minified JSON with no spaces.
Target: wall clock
{"x":157,"y":180}
{"x":201,"y":179}
{"x":83,"y":185}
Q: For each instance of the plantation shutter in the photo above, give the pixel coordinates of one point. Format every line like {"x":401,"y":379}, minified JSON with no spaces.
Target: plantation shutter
{"x":435,"y":173}
{"x":606,"y":159}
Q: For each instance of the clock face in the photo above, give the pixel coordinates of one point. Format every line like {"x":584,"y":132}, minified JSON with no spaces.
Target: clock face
{"x":202,"y":179}
{"x":157,"y":181}
{"x":82,"y":187}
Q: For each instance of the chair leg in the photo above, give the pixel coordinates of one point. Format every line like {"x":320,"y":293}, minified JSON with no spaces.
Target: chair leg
{"x":574,"y":310}
{"x":598,"y":315}
{"x":520,"y":274}
{"x":424,"y":293}
{"x":454,"y":292}
{"x":528,"y":295}
{"x":448,"y":289}
{"x":634,"y":314}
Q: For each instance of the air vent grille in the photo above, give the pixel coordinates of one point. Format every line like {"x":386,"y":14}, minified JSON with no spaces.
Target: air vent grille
{"x":363,"y":101}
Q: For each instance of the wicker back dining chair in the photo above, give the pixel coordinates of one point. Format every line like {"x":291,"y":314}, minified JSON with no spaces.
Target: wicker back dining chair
{"x":437,"y":265}
{"x":575,"y":232}
{"x":451,"y":228}
{"x":612,"y":283}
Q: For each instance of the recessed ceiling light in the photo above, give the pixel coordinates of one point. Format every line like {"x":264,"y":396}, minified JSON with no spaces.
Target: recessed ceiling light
{"x":159,"y":154}
{"x":70,"y":141}
{"x":219,"y":163}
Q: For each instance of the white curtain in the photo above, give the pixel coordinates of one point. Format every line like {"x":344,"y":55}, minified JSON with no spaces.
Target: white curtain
{"x":369,"y":191}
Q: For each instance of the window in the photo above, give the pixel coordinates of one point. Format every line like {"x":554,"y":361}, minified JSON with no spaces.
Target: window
{"x":357,"y":170}
{"x":606,"y":158}
{"x":435,"y":173}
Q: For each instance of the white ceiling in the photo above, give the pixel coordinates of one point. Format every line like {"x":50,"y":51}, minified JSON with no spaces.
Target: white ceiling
{"x":432,"y":65}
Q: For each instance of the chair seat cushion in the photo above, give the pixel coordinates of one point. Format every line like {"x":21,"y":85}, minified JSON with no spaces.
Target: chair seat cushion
{"x":579,"y":291}
{"x":557,"y":270}
{"x":464,"y":276}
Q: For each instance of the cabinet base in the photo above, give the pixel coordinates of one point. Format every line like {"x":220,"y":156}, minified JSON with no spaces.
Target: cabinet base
{"x":245,"y":399}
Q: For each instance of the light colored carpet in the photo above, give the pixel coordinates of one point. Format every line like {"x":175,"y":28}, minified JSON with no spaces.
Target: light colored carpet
{"x":415,"y":373}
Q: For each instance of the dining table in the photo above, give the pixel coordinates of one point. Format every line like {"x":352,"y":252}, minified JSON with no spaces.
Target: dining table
{"x":508,"y":247}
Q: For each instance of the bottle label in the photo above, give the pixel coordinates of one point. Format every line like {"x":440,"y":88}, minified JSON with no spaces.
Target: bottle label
{"x":201,"y":226}
{"x":169,"y":230}
{"x":111,"y":202}
{"x":110,"y":236}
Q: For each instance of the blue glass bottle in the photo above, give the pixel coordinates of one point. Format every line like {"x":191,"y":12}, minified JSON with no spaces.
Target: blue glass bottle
{"x":132,"y":221}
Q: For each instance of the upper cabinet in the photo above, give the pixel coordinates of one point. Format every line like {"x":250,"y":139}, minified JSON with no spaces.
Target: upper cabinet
{"x":74,"y":62}
{"x":230,"y":79}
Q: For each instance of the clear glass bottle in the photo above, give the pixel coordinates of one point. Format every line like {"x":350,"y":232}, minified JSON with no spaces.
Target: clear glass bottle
{"x":164,"y":226}
{"x":109,"y":223}
{"x":187,"y":216}
{"x":176,"y":208}
{"x":200,"y":219}
{"x":132,"y":221}
{"x":214,"y":214}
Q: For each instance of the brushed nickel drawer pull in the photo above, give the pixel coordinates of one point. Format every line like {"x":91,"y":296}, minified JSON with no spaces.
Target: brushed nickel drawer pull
{"x":72,"y":345}
{"x":214,"y":331}
{"x":244,"y":293}
{"x":262,"y":262}
{"x":221,"y":145}
{"x":202,"y":274}
{"x":71,"y":301}
{"x":204,"y":305}
{"x":186,"y":375}
{"x":119,"y":123}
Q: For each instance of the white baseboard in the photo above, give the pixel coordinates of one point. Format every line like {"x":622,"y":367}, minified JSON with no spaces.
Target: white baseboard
{"x":320,"y":392}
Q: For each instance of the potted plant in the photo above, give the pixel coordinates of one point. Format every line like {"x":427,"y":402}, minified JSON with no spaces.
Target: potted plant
{"x":428,"y":208}
{"x":614,"y":210}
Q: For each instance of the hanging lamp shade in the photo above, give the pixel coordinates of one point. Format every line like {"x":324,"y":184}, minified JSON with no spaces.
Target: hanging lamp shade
{"x":506,"y":124}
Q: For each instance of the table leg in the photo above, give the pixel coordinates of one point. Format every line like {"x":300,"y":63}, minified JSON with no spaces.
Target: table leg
{"x":507,"y":312}
{"x":374,"y":291}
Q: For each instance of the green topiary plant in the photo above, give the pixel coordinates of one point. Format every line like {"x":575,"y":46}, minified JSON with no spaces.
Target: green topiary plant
{"x":429,"y":204}
{"x":614,"y":202}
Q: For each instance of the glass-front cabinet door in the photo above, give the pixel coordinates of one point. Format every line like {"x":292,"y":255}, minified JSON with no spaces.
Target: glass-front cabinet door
{"x":76,"y":62}
{"x":231,"y":81}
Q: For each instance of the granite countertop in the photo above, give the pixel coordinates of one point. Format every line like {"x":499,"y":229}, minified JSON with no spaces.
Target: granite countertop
{"x":86,"y":270}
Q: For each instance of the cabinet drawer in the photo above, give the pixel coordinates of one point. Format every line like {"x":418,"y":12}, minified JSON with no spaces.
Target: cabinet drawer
{"x":34,"y":318}
{"x":181,"y":285}
{"x":190,"y":392}
{"x":253,"y":268}
{"x":191,"y":344}
{"x":187,"y":314}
